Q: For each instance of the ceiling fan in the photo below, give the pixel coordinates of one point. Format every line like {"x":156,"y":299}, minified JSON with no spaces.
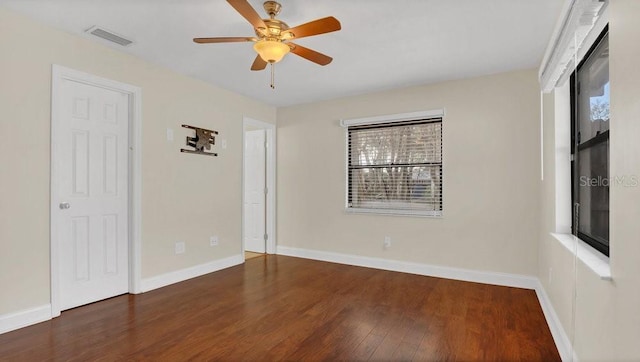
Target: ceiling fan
{"x":273,"y":38}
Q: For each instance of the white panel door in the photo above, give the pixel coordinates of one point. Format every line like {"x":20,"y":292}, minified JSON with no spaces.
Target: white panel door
{"x":254,"y":191}
{"x":91,"y":140}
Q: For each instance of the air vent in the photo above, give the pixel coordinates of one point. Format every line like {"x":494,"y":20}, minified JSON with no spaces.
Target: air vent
{"x":109,"y":35}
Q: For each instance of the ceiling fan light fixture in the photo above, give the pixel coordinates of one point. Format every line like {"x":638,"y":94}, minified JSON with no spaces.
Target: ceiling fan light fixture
{"x":271,"y":51}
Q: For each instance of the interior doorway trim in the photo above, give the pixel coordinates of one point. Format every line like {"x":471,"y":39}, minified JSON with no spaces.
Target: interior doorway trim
{"x":59,"y":74}
{"x":270,"y":135}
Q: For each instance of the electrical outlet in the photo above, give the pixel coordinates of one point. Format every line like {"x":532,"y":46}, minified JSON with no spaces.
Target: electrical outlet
{"x":387,"y":242}
{"x":181,"y":247}
{"x":169,"y":134}
{"x":213,"y":241}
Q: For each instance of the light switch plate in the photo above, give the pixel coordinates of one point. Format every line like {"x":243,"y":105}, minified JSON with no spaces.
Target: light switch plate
{"x":169,"y":134}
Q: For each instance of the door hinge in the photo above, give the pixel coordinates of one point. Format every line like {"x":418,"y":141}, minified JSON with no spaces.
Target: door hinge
{"x":266,"y":190}
{"x":266,"y":237}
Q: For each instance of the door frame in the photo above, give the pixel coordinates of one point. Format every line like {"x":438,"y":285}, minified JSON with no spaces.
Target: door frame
{"x":270,"y":181}
{"x":58,"y":75}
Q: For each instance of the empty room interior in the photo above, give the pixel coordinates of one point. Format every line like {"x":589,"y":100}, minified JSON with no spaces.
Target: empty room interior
{"x":320,"y":180}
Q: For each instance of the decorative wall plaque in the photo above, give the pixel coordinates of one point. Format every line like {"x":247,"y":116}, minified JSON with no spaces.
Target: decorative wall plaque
{"x":203,"y":140}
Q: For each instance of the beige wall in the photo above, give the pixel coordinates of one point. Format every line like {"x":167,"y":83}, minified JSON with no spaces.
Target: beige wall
{"x":491,"y":177}
{"x":184,"y":197}
{"x":607,"y":318}
{"x":498,"y":214}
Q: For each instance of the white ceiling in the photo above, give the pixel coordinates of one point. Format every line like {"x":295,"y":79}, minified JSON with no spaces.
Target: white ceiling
{"x":382,"y":44}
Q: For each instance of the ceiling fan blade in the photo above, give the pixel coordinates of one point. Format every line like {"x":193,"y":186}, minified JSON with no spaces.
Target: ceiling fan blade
{"x":309,"y":54}
{"x":232,"y":39}
{"x":316,"y":27}
{"x":248,"y":12}
{"x":258,"y":64}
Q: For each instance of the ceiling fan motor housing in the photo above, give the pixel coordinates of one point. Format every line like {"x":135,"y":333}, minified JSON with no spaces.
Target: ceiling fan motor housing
{"x":274,"y":29}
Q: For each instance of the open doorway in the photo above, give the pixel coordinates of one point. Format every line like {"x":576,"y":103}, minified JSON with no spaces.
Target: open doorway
{"x":258,"y":188}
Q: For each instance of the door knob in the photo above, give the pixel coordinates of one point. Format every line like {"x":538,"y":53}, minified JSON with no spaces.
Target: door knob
{"x":64,"y":205}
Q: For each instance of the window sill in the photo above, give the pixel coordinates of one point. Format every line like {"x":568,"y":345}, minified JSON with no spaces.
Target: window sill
{"x":593,"y":259}
{"x":417,"y":213}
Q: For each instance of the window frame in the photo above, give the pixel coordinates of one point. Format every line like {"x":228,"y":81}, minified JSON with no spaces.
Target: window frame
{"x":575,"y":149}
{"x":399,"y":120}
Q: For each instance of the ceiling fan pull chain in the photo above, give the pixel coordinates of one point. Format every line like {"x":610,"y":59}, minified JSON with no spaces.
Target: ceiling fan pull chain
{"x":273,"y":86}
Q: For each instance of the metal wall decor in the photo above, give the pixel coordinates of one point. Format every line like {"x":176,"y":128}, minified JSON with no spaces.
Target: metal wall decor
{"x":202,"y":141}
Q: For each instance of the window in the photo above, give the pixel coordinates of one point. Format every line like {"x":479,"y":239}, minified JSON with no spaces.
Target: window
{"x":394,"y":164}
{"x":590,"y":146}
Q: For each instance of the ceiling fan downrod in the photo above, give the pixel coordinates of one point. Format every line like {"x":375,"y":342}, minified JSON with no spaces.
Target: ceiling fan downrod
{"x":272,"y":8}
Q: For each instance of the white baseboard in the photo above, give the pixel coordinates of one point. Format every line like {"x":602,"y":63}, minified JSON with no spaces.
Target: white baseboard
{"x":504,"y":279}
{"x":24,"y":318}
{"x":562,"y":341}
{"x":188,"y":273}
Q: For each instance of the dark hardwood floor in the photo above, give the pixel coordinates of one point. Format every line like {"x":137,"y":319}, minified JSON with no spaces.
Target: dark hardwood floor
{"x":283,"y":308}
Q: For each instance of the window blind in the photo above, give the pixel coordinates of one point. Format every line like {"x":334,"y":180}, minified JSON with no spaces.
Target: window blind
{"x":396,"y":167}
